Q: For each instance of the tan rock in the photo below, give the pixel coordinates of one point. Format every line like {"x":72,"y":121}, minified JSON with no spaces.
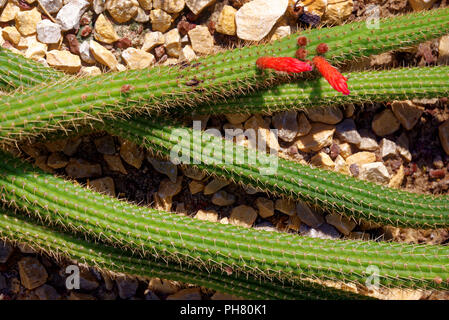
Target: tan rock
{"x":243,"y":216}
{"x":281,"y":32}
{"x":11,"y":34}
{"x":196,"y":186}
{"x":419,"y":5}
{"x":443,"y":133}
{"x":9,"y":12}
{"x":265,"y":207}
{"x":104,"y":31}
{"x":103,"y":55}
{"x":322,"y":160}
{"x":186,"y":294}
{"x":146,"y":4}
{"x":215,"y":185}
{"x":57,"y":160}
{"x":235,"y":118}
{"x":164,"y":167}
{"x":308,"y":215}
{"x":89,"y":71}
{"x":103,"y":185}
{"x":79,"y":168}
{"x":360,"y":158}
{"x":193,"y":173}
{"x":32,"y":273}
{"x":443,"y":50}
{"x":407,"y":113}
{"x":397,"y":179}
{"x":173,"y":43}
{"x":223,"y":198}
{"x":320,"y":136}
{"x":196,"y":6}
{"x":304,"y":125}
{"x":160,"y":286}
{"x":131,"y":153}
{"x":286,"y":206}
{"x":160,"y":20}
{"x":325,"y":115}
{"x":152,"y":39}
{"x":345,"y":149}
{"x":317,"y":7}
{"x":343,"y":224}
{"x":286,"y":123}
{"x":64,"y":61}
{"x":137,"y":59}
{"x":122,"y":10}
{"x":201,"y":40}
{"x":170,"y":6}
{"x":187,"y":54}
{"x":207,"y":215}
{"x":341,"y":165}
{"x":294,"y":223}
{"x":141,"y":16}
{"x":337,"y":11}
{"x":114,"y":163}
{"x":26,"y":21}
{"x":402,"y":145}
{"x":261,"y":133}
{"x":375,"y":172}
{"x":226,"y":21}
{"x":167,"y":189}
{"x":385,"y":123}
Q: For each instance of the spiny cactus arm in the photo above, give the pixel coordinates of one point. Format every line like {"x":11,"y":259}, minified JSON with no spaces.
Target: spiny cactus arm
{"x":332,"y":191}
{"x":17,"y":229}
{"x":185,"y":241}
{"x":71,"y":103}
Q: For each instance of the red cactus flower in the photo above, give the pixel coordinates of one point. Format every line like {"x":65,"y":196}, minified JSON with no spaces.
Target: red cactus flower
{"x":286,"y":64}
{"x":332,"y":75}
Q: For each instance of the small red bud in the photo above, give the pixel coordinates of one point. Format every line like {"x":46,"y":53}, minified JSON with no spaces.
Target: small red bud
{"x":302,"y":41}
{"x":322,"y":48}
{"x":301,"y":53}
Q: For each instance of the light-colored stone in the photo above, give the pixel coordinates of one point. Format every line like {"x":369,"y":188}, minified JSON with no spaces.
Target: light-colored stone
{"x":26,"y":21}
{"x":235,"y":118}
{"x":326,"y":115}
{"x":79,"y":168}
{"x":308,"y":216}
{"x":9,"y":12}
{"x":160,"y":20}
{"x":375,"y":172}
{"x":320,"y":136}
{"x":141,"y":16}
{"x":201,"y":40}
{"x":360,"y":158}
{"x":131,"y":153}
{"x":243,"y":216}
{"x":285,"y":206}
{"x":167,"y":190}
{"x":343,"y":224}
{"x":64,"y":61}
{"x":368,"y":141}
{"x":337,"y":11}
{"x":186,"y":294}
{"x":396,"y":180}
{"x":32,"y":273}
{"x":193,"y":173}
{"x":281,"y":32}
{"x":347,"y":131}
{"x":152,"y":39}
{"x":226,"y":21}
{"x":85,"y":53}
{"x":322,"y":160}
{"x":387,"y":148}
{"x":103,"y":55}
{"x":443,"y":133}
{"x":255,"y":19}
{"x":173,"y":43}
{"x":345,"y":149}
{"x":137,"y":59}
{"x":407,"y":113}
{"x":122,"y":10}
{"x":402,"y":144}
{"x":196,"y":6}
{"x":341,"y":165}
{"x":104,"y":185}
{"x":98,"y":6}
{"x":207,"y":215}
{"x":52,"y":6}
{"x":385,"y":59}
{"x":316,"y":7}
{"x":443,"y":50}
{"x":11,"y":34}
{"x":146,"y":4}
{"x":265,"y":207}
{"x":70,"y":14}
{"x":385,"y":123}
{"x":215,"y":185}
{"x":419,"y":5}
{"x":261,"y":134}
{"x":287,"y":125}
{"x":196,"y":186}
{"x":115,"y":163}
{"x":170,"y":6}
{"x":48,"y":32}
{"x":325,"y":231}
{"x":104,"y":31}
{"x":304,"y":125}
{"x":223,"y":198}
{"x":89,"y":71}
{"x":187,"y":54}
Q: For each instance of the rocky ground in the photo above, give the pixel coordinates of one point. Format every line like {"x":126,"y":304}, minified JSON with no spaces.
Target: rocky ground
{"x":402,"y":144}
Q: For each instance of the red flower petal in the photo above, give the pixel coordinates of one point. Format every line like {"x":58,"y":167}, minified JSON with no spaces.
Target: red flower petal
{"x":285,"y":64}
{"x":332,"y":75}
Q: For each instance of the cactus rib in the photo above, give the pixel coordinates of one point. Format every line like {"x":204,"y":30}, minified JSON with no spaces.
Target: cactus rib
{"x":69,"y":103}
{"x":185,"y":241}
{"x":15,"y":228}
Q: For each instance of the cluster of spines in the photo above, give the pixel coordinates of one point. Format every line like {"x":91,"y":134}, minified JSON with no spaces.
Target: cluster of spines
{"x":185,"y":241}
{"x":69,"y":104}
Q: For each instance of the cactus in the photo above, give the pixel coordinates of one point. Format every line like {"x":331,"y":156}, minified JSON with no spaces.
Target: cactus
{"x":184,"y":241}
{"x":70,"y":103}
{"x":15,"y":228}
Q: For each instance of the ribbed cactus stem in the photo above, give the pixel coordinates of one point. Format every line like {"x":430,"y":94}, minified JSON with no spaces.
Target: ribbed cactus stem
{"x":70,"y":103}
{"x":186,"y":241}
